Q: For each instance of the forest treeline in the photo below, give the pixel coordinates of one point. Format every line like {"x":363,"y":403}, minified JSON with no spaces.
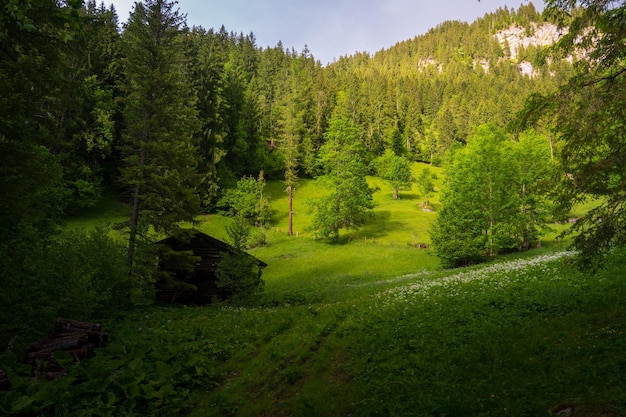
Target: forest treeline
{"x":252,"y":104}
{"x":171,"y":117}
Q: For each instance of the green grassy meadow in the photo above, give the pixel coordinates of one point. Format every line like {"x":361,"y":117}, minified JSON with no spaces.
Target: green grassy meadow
{"x":382,"y":249}
{"x":371,"y":326}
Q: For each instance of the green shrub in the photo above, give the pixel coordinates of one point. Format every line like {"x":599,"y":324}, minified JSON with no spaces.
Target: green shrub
{"x":75,"y":274}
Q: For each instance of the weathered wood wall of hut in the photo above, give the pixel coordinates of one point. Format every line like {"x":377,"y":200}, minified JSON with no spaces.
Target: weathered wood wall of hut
{"x":203,"y":276}
{"x":210,"y":251}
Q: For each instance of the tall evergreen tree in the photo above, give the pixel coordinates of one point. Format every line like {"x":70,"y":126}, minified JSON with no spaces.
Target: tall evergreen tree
{"x":207,"y":53}
{"x":161,"y":156}
{"x":293,"y":108}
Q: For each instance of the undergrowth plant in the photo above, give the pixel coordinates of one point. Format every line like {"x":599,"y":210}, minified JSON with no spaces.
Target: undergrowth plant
{"x":526,"y":336}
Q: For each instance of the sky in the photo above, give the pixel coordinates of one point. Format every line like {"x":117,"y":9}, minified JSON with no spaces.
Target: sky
{"x":330,"y":28}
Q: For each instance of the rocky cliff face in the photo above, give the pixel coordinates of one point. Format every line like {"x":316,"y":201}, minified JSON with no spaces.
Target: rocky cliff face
{"x":515,"y":38}
{"x":539,"y":35}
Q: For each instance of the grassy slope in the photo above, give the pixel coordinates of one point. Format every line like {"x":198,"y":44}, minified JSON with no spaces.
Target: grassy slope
{"x":347,"y":330}
{"x":381,"y":249}
{"x":524,"y":337}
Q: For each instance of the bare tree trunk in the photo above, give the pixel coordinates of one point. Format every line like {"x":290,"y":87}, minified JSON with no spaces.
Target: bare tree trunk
{"x":491,"y":220}
{"x":134,"y":218}
{"x":290,"y":226}
{"x":134,"y":221}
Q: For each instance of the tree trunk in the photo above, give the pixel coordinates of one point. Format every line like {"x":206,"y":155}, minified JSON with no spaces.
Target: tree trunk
{"x":290,"y":225}
{"x":134,"y":221}
{"x":134,"y":216}
{"x":491,"y":220}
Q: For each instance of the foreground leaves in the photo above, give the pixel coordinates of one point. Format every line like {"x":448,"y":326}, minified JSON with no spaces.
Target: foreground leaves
{"x":520,"y":337}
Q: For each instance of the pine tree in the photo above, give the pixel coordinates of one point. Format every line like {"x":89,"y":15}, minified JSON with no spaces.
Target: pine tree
{"x":293,"y":130}
{"x":207,"y":52}
{"x":160,"y":163}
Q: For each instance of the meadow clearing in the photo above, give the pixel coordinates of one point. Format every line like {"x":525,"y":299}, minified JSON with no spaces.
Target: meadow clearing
{"x":369,"y":326}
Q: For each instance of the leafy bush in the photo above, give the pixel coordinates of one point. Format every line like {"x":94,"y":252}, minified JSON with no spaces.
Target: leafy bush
{"x":73,"y":274}
{"x":89,"y":271}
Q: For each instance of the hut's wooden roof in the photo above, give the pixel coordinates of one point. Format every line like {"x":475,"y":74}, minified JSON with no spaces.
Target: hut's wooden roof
{"x":210,"y":241}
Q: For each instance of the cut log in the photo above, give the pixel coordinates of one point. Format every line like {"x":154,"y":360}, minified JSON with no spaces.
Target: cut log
{"x":78,"y":338}
{"x":93,"y":330}
{"x":61,"y":342}
{"x":75,"y":326}
{"x":55,"y":375}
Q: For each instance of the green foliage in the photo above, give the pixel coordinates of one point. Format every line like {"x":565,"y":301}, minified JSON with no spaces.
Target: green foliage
{"x":238,"y":273}
{"x":73,"y":274}
{"x":534,"y":181}
{"x":493,"y":199}
{"x":249,"y":201}
{"x":586,"y":115}
{"x":349,"y":204}
{"x":215,"y":108}
{"x":148,"y":369}
{"x":395,"y":169}
{"x":422,"y":344}
{"x":238,"y":231}
{"x":249,"y":205}
{"x":426,"y":183}
{"x":160,"y":167}
{"x":173,"y":257}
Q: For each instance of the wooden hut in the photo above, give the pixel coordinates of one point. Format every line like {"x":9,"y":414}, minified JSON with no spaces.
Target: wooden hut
{"x":199,"y":286}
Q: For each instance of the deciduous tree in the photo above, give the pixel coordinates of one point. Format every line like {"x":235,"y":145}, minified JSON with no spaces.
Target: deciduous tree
{"x":349,"y":204}
{"x":249,"y":202}
{"x":481,"y":205}
{"x":396,"y":170}
{"x":426,"y":184}
{"x":587,"y":114}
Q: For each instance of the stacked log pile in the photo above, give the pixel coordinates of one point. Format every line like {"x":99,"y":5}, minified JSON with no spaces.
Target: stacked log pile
{"x":78,"y":338}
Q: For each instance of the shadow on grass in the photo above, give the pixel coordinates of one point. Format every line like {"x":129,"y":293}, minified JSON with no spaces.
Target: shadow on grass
{"x":409,"y":196}
{"x":380,"y":226}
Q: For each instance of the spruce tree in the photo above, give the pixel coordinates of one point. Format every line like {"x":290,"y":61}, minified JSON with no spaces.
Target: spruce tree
{"x":160,"y":154}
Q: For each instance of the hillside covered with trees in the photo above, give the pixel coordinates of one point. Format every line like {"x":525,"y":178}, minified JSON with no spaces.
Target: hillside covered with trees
{"x":512,"y":119}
